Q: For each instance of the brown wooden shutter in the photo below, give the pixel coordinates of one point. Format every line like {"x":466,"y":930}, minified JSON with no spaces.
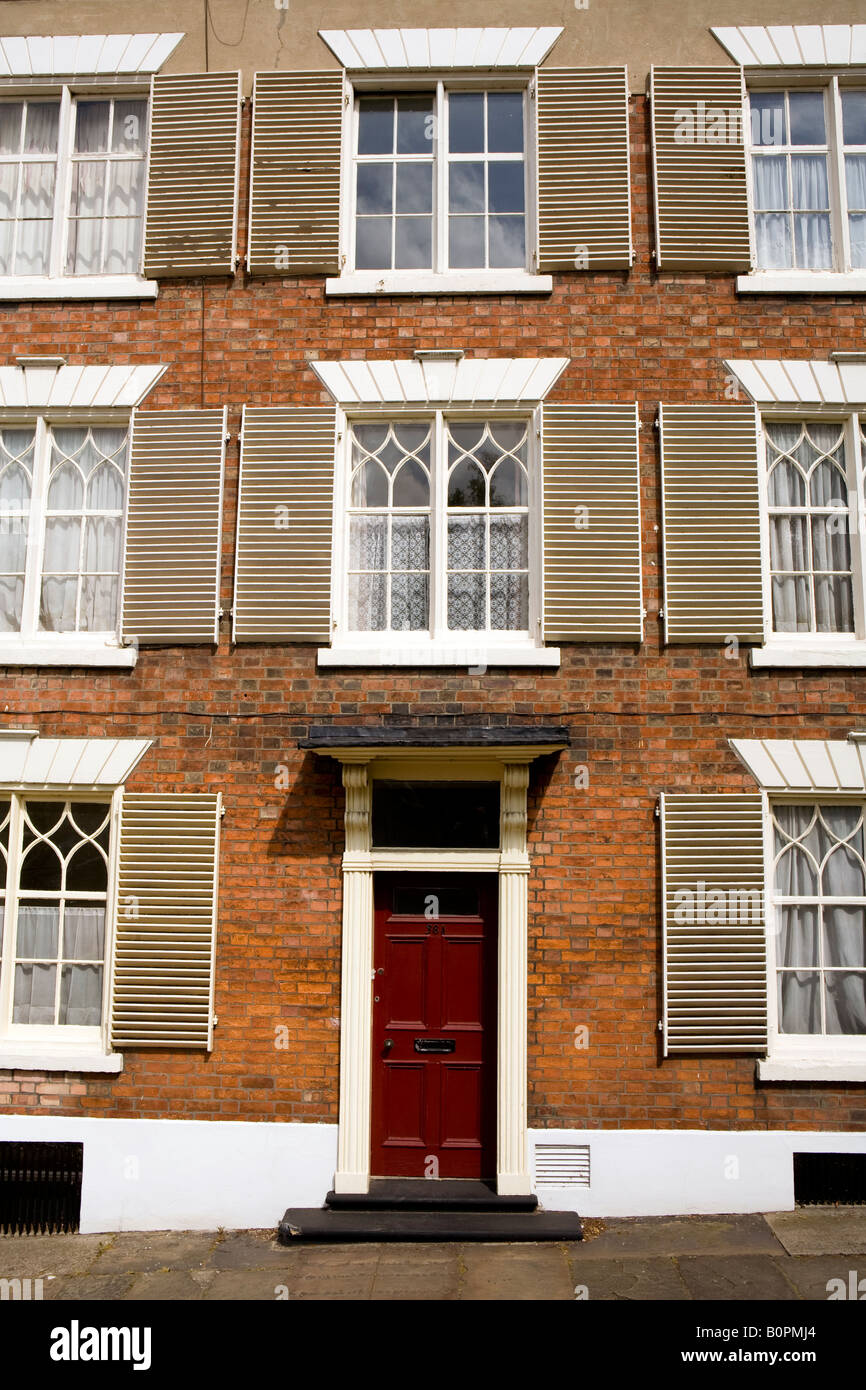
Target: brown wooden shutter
{"x":283,"y":553}
{"x":715,"y":956}
{"x":712,"y":523}
{"x":174,"y":526}
{"x":192,"y":185}
{"x":584,"y":208}
{"x":701,"y":199}
{"x":295,"y":176}
{"x":592,"y":550}
{"x":165,"y":921}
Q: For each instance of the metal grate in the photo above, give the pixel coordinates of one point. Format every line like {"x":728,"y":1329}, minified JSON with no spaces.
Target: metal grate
{"x":562,"y":1165}
{"x":40,"y":1187}
{"x":826,"y":1178}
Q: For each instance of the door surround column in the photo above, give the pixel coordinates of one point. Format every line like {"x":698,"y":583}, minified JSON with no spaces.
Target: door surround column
{"x":356,"y":988}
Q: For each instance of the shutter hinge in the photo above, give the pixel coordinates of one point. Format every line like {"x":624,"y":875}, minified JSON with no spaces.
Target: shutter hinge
{"x":346,"y":99}
{"x":644,"y":613}
{"x":656,"y":421}
{"x":214,"y":1021}
{"x":661,"y":613}
{"x":660,"y":1027}
{"x":222,"y":812}
{"x":226,"y":613}
{"x":227,"y":438}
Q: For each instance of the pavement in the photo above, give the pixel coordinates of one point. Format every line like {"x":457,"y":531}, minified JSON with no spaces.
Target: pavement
{"x":782,"y":1257}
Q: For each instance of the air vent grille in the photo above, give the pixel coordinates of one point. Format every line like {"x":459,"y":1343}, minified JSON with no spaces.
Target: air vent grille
{"x":562,"y":1165}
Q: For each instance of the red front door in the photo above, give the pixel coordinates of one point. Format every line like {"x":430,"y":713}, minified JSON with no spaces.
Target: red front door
{"x":434,"y":1026}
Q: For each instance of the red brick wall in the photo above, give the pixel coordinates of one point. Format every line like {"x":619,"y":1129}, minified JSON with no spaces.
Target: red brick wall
{"x":641,"y":721}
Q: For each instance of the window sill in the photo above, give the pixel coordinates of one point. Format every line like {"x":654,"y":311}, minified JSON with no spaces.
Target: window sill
{"x":77,"y":287}
{"x":851,"y":654}
{"x":480,"y":656}
{"x":42,"y":651}
{"x":447,"y":282}
{"x":802,"y":282}
{"x":32,"y":1057}
{"x":841,"y":1070}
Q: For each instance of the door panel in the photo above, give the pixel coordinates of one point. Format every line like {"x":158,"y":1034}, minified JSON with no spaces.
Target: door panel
{"x":406,"y":967}
{"x":462,"y":1104}
{"x":405,"y":1105}
{"x":462,"y":981}
{"x":434,"y":1026}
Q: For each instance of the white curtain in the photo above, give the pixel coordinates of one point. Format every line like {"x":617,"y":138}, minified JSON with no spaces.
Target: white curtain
{"x":801,"y":545}
{"x":806,"y":201}
{"x":107,"y":201}
{"x":81,"y":996}
{"x":799,"y":873}
{"x":80,"y":984}
{"x":81,"y":563}
{"x":855,"y":174}
{"x":34,"y":994}
{"x":27,"y":193}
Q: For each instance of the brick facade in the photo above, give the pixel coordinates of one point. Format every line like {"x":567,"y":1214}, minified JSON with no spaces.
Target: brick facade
{"x":641,"y":720}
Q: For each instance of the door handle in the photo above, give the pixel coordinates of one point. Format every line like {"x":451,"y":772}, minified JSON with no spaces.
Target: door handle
{"x":388,"y":1044}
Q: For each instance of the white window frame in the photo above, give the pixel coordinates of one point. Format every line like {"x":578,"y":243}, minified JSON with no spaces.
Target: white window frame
{"x":843,"y":278}
{"x":441,"y":646}
{"x":60,"y":1047}
{"x":57,"y":284}
{"x":801,"y":1056}
{"x":440,"y":279}
{"x":31,"y":646}
{"x":818,"y":648}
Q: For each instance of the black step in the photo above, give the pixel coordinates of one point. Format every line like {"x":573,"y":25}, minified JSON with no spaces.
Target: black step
{"x":422,"y":1194}
{"x":326,"y":1226}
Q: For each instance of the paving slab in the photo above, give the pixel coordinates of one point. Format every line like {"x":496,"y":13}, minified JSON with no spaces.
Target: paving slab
{"x":148,"y":1251}
{"x":416,"y":1275}
{"x":752,"y":1277}
{"x":251,"y":1285}
{"x":331,"y":1271}
{"x":637,"y":1280}
{"x":515,"y":1272}
{"x":99,"y":1288}
{"x":821,"y":1230}
{"x":249,"y":1250}
{"x":811,"y":1275}
{"x":680,"y":1235}
{"x":31,"y":1256}
{"x":174,"y":1286}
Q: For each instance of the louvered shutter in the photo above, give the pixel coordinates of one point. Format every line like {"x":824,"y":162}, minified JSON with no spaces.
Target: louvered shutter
{"x":584,"y":206}
{"x":283,"y":552}
{"x":712,"y":524}
{"x":192,"y":185}
{"x":295,"y":176}
{"x":174,"y":526}
{"x":592,"y":551}
{"x":699,"y":166}
{"x":715,"y":952}
{"x":165,"y":921}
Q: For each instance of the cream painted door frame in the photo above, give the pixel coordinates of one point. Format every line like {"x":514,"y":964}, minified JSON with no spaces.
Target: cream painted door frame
{"x":360,"y":861}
